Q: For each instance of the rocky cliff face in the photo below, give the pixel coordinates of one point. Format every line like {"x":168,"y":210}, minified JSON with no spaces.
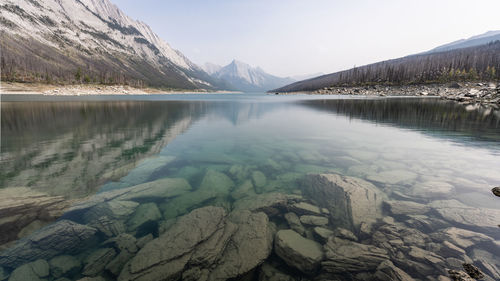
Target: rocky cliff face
{"x":89,"y":41}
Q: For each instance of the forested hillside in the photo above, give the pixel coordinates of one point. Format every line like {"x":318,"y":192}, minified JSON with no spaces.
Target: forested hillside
{"x":467,"y":64}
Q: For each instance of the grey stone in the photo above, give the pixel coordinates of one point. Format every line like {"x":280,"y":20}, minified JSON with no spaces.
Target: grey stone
{"x":24,"y":273}
{"x":266,"y":202}
{"x":351,"y":201}
{"x":462,"y":237}
{"x":162,"y":188}
{"x":108,"y":226}
{"x":216,"y":182}
{"x":143,"y":213}
{"x":388,"y":271}
{"x":297,"y":251}
{"x":314,"y":220}
{"x":487,"y":262}
{"x":216,"y":246}
{"x":303,"y":208}
{"x":345,"y":234}
{"x":64,"y":265}
{"x":141,"y":242}
{"x":3,"y":274}
{"x":455,"y":211}
{"x":96,"y":262}
{"x":166,"y":256}
{"x":270,"y":273}
{"x":348,"y":256}
{"x":407,"y":208}
{"x":250,"y":245}
{"x":245,"y":189}
{"x":259,"y":180}
{"x":294,"y":223}
{"x":61,"y":237}
{"x":322,"y":234}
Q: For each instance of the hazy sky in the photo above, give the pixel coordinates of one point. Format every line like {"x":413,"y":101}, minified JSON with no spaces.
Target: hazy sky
{"x":293,"y":37}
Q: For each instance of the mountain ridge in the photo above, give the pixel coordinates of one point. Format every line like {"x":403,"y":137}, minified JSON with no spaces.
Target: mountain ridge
{"x":473,"y":63}
{"x":55,"y":40}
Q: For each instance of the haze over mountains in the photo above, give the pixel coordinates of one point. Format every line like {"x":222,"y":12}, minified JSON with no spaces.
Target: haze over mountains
{"x":243,"y":77}
{"x":475,"y":58}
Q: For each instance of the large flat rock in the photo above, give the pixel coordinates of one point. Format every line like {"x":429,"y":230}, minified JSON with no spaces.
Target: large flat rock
{"x":348,"y":256}
{"x":350,"y":201}
{"x":297,"y":251}
{"x":63,"y":236}
{"x":206,"y":244}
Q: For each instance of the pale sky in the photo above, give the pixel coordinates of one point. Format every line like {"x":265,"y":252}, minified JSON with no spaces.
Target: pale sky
{"x":295,"y":37}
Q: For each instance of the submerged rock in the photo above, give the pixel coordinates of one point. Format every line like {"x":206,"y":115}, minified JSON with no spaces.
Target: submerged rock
{"x":407,"y":208}
{"x":64,"y":265}
{"x":322,"y":234}
{"x":144,"y":213}
{"x":455,"y":211}
{"x":61,"y":237}
{"x":462,"y":237}
{"x":204,"y":244}
{"x":303,"y":208}
{"x":97,"y":261}
{"x":34,"y":271}
{"x":266,"y":202}
{"x":350,"y":201}
{"x":297,"y":251}
{"x":270,"y":273}
{"x":259,"y":180}
{"x":294,"y":223}
{"x":348,"y":256}
{"x":314,"y":220}
{"x":22,"y":207}
{"x":388,"y":271}
{"x":245,"y":189}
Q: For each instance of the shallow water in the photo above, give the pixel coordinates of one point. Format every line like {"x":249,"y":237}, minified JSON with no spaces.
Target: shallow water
{"x":62,"y":152}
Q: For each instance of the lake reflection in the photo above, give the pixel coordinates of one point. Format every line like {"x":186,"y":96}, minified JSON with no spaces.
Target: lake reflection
{"x":409,"y":182}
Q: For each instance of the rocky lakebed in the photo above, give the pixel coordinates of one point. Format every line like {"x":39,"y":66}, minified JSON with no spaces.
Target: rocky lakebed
{"x":334,"y":227}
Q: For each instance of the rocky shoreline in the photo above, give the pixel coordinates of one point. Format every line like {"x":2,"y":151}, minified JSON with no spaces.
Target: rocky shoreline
{"x":466,"y":93}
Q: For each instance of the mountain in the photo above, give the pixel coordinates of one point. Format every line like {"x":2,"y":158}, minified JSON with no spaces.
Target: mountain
{"x":90,"y":41}
{"x":478,"y":62}
{"x":243,"y":77}
{"x":477,"y":40}
{"x":211,"y":68}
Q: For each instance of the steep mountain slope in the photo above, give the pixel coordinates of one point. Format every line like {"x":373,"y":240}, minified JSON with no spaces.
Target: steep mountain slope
{"x":243,"y":77}
{"x":477,"y":40}
{"x":90,"y":41}
{"x":464,"y":64}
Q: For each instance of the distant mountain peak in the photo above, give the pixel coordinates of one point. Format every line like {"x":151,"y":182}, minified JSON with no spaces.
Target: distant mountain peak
{"x":481,"y":39}
{"x":244,"y":77}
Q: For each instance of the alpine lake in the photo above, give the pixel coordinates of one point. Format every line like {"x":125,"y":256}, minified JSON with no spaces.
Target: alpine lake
{"x":247,"y":187}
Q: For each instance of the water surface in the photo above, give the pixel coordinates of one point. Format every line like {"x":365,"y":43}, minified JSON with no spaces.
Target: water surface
{"x":62,"y":152}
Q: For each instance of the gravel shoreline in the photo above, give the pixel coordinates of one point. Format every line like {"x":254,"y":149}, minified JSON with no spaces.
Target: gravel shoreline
{"x":466,"y":93}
